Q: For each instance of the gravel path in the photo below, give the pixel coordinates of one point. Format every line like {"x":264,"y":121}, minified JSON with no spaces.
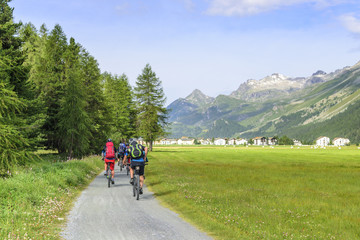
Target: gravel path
{"x":113,"y":213}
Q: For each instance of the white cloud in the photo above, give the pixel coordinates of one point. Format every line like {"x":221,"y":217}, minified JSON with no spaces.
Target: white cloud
{"x":351,"y":23}
{"x":252,"y":7}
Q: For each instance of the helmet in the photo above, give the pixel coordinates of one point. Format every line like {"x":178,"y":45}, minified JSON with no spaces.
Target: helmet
{"x":109,"y":140}
{"x":131,"y":140}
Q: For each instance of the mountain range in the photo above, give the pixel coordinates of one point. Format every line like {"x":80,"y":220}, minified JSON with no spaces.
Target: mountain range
{"x":323,"y":104}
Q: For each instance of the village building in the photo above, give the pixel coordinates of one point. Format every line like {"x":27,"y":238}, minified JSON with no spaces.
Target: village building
{"x":219,"y":141}
{"x":272,"y":141}
{"x":259,"y":141}
{"x":231,"y":141}
{"x":185,"y":141}
{"x":241,"y":141}
{"x":340,"y":141}
{"x":205,"y":141}
{"x":168,"y":141}
{"x":297,"y":142}
{"x":322,"y":141}
{"x":141,"y":141}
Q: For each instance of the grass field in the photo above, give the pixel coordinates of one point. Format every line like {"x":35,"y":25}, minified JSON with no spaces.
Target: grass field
{"x":33,"y":202}
{"x":261,"y":193}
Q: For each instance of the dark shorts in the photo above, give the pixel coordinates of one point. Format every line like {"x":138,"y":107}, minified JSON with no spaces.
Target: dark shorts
{"x":141,"y":164}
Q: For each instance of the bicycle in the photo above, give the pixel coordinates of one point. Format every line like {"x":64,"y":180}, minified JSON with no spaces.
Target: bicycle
{"x":127,"y":169}
{"x":136,"y":183}
{"x":127,"y":165}
{"x":121,"y":164}
{"x":108,"y":173}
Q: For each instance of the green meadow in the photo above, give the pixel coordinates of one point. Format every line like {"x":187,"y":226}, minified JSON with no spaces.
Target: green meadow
{"x":35,"y":200}
{"x":261,"y":193}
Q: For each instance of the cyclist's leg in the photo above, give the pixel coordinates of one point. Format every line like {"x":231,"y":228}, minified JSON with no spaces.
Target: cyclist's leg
{"x":141,"y":181}
{"x":141,"y":172}
{"x":132,"y":171}
{"x":105,"y":166}
{"x":112,"y":167}
{"x":132,"y":167}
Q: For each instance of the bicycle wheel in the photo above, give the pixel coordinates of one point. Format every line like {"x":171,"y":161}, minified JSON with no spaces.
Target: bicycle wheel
{"x":127,"y":169}
{"x":134,"y":185}
{"x":109,"y":175}
{"x":137,"y":187}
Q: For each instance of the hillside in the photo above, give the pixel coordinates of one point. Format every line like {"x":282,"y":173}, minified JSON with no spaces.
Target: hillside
{"x":275,"y":105}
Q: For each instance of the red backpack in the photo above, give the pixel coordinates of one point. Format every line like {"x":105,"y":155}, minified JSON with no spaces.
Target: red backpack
{"x":110,"y":150}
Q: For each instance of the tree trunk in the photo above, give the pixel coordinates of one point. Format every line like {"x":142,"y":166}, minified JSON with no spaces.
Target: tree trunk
{"x":150,"y":146}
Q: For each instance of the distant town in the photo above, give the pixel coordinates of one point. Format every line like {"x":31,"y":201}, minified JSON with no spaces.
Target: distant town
{"x":258,"y":141}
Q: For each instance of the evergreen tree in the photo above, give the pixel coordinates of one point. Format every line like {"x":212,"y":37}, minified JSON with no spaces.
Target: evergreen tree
{"x":35,"y":112}
{"x":73,"y":118}
{"x":110,"y":104}
{"x":96,"y":108}
{"x":152,"y":115}
{"x":126,"y":109}
{"x":13,"y":74}
{"x":118,"y":94}
{"x":46,"y":73}
{"x":12,"y":71}
{"x":13,"y":145}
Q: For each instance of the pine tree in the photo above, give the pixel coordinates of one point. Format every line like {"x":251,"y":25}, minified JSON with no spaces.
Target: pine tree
{"x":152,"y":115}
{"x":47,"y":67}
{"x":13,"y":74}
{"x":110,"y":104}
{"x":35,"y":112}
{"x":13,"y":145}
{"x":73,"y":119}
{"x":96,"y":107}
{"x":118,"y":94}
{"x":125,"y":108}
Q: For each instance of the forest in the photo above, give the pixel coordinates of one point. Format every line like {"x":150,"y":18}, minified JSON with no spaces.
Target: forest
{"x":54,"y":96}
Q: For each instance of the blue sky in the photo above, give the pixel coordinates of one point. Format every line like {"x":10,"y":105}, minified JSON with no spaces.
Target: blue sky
{"x":211,"y":45}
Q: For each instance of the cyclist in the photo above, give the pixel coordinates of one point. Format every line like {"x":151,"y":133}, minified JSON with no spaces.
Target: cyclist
{"x":126,"y":159}
{"x":121,"y":151}
{"x":137,"y":154}
{"x":110,"y":156}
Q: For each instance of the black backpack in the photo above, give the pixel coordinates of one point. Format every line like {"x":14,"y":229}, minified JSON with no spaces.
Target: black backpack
{"x":136,"y":151}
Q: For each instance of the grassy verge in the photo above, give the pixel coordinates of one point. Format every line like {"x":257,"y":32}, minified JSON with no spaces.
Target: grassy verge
{"x":33,"y":202}
{"x":261,"y":193}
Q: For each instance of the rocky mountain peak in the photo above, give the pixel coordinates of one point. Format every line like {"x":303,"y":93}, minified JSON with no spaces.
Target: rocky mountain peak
{"x":278,"y":76}
{"x":198,"y":98}
{"x":319,"y":72}
{"x":195,"y":94}
{"x":268,"y":87}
